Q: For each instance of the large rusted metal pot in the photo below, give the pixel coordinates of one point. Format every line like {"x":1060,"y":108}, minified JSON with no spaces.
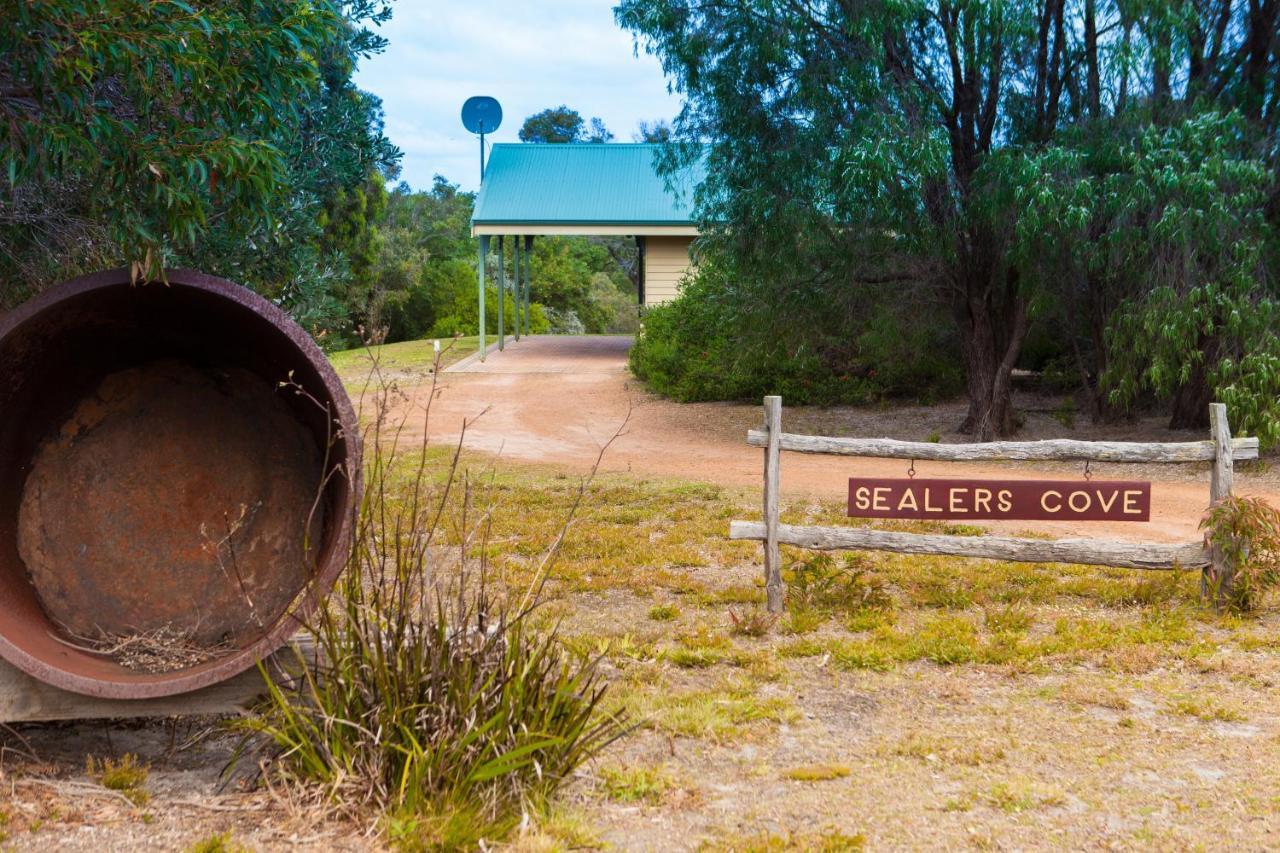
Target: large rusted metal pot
{"x":178,"y":468}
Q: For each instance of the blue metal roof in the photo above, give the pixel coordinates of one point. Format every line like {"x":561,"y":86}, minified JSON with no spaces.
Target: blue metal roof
{"x":582,"y":184}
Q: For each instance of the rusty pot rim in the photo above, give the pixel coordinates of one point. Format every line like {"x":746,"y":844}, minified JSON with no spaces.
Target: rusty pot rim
{"x":155,"y":685}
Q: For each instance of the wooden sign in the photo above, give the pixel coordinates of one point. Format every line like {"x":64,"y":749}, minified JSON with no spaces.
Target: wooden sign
{"x":1041,"y":500}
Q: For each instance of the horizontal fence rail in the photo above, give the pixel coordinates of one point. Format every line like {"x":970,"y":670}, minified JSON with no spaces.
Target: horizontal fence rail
{"x":1050,"y":449}
{"x":1221,"y":451}
{"x":1088,"y":552}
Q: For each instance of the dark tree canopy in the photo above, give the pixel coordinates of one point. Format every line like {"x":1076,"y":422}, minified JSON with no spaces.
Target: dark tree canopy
{"x":654,"y":131}
{"x":226,"y":136}
{"x":972,"y":154}
{"x":562,"y":124}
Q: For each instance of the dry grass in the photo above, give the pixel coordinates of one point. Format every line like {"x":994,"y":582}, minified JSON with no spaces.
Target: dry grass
{"x":979,"y":702}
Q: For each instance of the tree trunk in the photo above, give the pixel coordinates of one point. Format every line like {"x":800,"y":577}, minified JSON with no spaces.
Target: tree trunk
{"x":1091,"y":59}
{"x":1191,"y":402}
{"x":992,"y":342}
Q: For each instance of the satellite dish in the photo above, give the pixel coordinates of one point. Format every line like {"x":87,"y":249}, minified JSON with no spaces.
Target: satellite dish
{"x":481,"y":114}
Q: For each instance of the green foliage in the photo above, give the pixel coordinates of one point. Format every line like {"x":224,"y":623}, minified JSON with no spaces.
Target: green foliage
{"x":431,"y":699}
{"x":1185,"y":211}
{"x":1247,"y":531}
{"x":127,"y":775}
{"x":712,"y":343}
{"x":158,"y":133}
{"x":561,"y":124}
{"x":1096,"y":169}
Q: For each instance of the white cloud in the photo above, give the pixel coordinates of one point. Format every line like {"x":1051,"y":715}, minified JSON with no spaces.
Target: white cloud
{"x":527,"y":55}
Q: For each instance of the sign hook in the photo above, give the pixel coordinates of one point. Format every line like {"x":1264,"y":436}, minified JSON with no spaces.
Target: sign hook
{"x":911,"y":472}
{"x":1087,"y":475}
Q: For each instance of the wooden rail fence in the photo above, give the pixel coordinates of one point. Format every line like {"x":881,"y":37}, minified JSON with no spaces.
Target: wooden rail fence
{"x":1220,"y":449}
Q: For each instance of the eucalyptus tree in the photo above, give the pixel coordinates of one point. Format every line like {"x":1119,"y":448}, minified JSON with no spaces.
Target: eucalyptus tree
{"x":953,"y":151}
{"x":156,"y":132}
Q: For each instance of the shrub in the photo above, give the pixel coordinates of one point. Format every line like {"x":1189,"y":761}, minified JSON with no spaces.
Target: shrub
{"x":430,"y":699}
{"x":1247,"y":530}
{"x":714,"y":342}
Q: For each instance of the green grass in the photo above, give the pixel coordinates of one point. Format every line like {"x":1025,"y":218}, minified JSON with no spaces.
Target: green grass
{"x":635,"y":784}
{"x":817,"y":772}
{"x":127,"y":775}
{"x":409,"y":357}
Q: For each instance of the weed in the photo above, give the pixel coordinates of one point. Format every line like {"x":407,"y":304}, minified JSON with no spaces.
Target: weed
{"x":695,"y":658}
{"x":739,"y":595}
{"x":1206,"y":709}
{"x":816,"y":582}
{"x":830,"y":841}
{"x":128,"y":775}
{"x":801,"y":620}
{"x":861,"y":654}
{"x":752,"y":623}
{"x":664,"y":613}
{"x":721,"y":714}
{"x":220,"y":842}
{"x":869,"y":619}
{"x":1010,"y":619}
{"x":933,"y":749}
{"x":1010,"y":798}
{"x":1065,"y":413}
{"x":1247,"y":533}
{"x":817,"y":772}
{"x":635,"y":784}
{"x":801,"y":649}
{"x":944,"y":640}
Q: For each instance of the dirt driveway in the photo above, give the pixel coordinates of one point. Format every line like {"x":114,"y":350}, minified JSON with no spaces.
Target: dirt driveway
{"x":557,"y":399}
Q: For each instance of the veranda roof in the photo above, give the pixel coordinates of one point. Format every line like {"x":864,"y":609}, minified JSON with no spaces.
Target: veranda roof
{"x":583,"y":188}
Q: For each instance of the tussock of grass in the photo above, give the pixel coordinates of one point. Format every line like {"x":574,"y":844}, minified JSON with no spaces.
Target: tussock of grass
{"x":751,"y":623}
{"x":664,"y":612}
{"x":127,"y":775}
{"x":433,"y":703}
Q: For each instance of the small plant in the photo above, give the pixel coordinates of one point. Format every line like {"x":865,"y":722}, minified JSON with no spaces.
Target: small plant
{"x":1205,"y":709}
{"x":1247,"y":532}
{"x":801,"y":620}
{"x":128,"y":775}
{"x":1065,"y":413}
{"x":220,"y":842}
{"x":664,"y":613}
{"x":433,"y":699}
{"x":1011,"y":619}
{"x":818,"y":583}
{"x":870,"y":619}
{"x":635,"y":784}
{"x":817,"y":772}
{"x":752,"y":623}
{"x":935,"y":437}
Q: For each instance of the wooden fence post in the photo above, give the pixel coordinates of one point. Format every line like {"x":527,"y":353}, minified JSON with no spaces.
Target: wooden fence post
{"x":1217,"y":579}
{"x":772,"y":485}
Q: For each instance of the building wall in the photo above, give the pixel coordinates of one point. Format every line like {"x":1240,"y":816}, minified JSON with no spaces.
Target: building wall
{"x":666,"y":259}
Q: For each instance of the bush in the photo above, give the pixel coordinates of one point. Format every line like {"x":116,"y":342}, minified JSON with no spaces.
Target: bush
{"x":430,"y":698}
{"x":706,"y":346}
{"x":1247,"y":530}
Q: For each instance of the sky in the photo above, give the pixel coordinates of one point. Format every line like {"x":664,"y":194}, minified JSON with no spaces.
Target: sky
{"x":530,"y":55}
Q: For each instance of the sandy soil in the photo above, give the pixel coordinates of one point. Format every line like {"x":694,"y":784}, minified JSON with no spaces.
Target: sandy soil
{"x":557,"y":399}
